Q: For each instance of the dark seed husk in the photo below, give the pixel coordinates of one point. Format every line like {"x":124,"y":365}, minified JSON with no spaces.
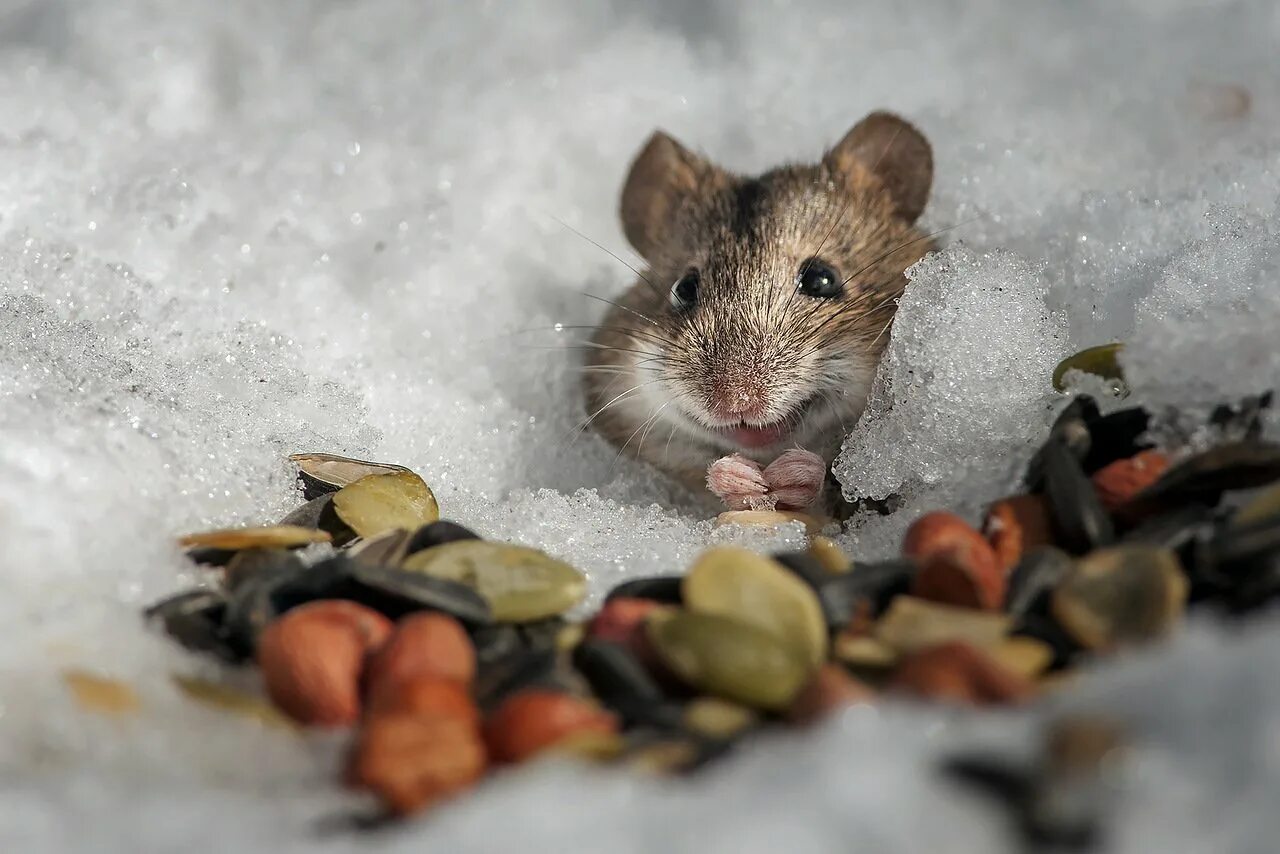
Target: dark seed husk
{"x":1173,"y":530}
{"x":529,"y":668}
{"x":874,"y":583}
{"x":309,"y":514}
{"x":837,"y":610}
{"x":253,"y":606}
{"x":386,"y":549}
{"x":1044,"y":629}
{"x":437,"y":534}
{"x":1237,"y":548}
{"x":542,"y":634}
{"x":1259,"y":588}
{"x":252,"y":562}
{"x":622,"y":683}
{"x":396,"y":592}
{"x":1116,"y":436}
{"x":1205,"y":476}
{"x":1071,"y":429}
{"x":659,"y":588}
{"x":1032,"y":581}
{"x":1244,"y":420}
{"x":194,"y":619}
{"x":495,"y":642}
{"x":322,"y":473}
{"x":1079,"y":519}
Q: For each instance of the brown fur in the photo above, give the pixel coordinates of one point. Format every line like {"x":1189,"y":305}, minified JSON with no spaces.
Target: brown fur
{"x":656,"y":374}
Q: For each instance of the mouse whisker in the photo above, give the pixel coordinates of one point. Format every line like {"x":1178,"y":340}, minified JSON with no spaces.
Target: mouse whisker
{"x":638,"y":314}
{"x":583,"y":425}
{"x":647,"y":422}
{"x":658,"y":291}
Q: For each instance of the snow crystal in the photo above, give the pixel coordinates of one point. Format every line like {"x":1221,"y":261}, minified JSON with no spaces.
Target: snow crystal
{"x":230,"y":232}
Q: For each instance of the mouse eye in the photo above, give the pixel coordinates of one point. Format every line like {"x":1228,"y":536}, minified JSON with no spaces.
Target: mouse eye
{"x":817,"y":279}
{"x":684,"y":293}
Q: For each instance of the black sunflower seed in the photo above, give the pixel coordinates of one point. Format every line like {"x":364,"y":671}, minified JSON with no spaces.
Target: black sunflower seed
{"x":1032,"y":581}
{"x":1117,"y":436}
{"x":659,"y":588}
{"x":437,"y":534}
{"x":1070,"y":429}
{"x":1206,"y":476}
{"x":623,"y":684}
{"x":1078,"y":517}
{"x":194,"y":619}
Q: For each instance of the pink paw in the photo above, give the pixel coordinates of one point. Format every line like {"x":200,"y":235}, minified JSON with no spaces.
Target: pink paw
{"x":739,"y":482}
{"x":796,"y":479}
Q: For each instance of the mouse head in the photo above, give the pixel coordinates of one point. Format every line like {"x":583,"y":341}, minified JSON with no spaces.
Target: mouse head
{"x":773,"y":294}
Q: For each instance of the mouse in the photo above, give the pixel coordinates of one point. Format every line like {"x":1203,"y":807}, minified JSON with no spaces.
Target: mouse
{"x":745,"y":350}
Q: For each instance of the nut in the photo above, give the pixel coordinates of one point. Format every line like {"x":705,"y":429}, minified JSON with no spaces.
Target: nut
{"x":1015,"y":526}
{"x":957,"y":566}
{"x":621,"y":620}
{"x":412,"y":761}
{"x":424,"y":696}
{"x":423,"y":645}
{"x":533,"y":720}
{"x":312,"y":657}
{"x":830,"y":689}
{"x":1123,"y":479}
{"x":958,"y":672}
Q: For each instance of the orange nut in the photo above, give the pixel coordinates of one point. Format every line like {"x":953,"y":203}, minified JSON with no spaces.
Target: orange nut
{"x":831,"y":689}
{"x":957,"y":565}
{"x":412,"y":761}
{"x":312,"y":656}
{"x":1015,"y":526}
{"x":424,"y":645}
{"x":1123,"y":479}
{"x":621,"y":620}
{"x":958,"y":672}
{"x":533,"y":720}
{"x":424,"y":696}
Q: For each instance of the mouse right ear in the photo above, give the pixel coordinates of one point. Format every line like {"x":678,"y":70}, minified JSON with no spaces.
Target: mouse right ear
{"x":893,"y":150}
{"x":663,"y":175}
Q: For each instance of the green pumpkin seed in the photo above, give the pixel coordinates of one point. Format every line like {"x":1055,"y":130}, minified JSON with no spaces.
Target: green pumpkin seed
{"x":1121,"y":596}
{"x":379,"y":503}
{"x":912,"y":624}
{"x":716,"y":718}
{"x":728,"y":658}
{"x":747,"y":586}
{"x":864,"y":652}
{"x":1100,"y":361}
{"x":521,"y":584}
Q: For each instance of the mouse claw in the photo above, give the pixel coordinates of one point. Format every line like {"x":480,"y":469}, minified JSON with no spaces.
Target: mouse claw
{"x":739,"y":482}
{"x":796,"y":479}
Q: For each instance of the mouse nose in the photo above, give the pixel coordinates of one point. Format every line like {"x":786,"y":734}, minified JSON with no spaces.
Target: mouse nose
{"x":737,"y":402}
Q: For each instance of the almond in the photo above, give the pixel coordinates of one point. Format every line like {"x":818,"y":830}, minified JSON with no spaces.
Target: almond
{"x":423,"y":645}
{"x":312,"y":658}
{"x":1016,"y":525}
{"x":957,"y":565}
{"x":412,"y":761}
{"x":533,"y":720}
{"x":1123,"y":479}
{"x":424,"y":696}
{"x":621,"y":620}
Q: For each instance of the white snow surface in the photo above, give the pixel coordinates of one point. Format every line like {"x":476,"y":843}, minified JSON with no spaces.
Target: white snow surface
{"x":232,"y":231}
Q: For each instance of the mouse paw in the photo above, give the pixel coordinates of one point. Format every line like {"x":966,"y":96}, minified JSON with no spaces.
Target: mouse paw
{"x":739,"y":482}
{"x":796,"y":479}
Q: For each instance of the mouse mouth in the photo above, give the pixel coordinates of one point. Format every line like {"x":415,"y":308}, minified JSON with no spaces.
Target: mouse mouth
{"x":757,"y":437}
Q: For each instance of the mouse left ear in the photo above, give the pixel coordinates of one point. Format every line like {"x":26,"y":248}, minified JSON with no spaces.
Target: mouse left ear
{"x":663,"y":177}
{"x":892,"y":149}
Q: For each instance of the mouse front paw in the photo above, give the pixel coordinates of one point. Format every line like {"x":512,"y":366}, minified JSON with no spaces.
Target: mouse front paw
{"x":796,"y":479}
{"x":739,"y":482}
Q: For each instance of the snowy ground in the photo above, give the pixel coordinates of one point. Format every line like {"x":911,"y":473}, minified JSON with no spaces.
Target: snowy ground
{"x":231,"y":231}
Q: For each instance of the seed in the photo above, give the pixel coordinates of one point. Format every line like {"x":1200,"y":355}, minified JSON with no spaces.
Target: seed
{"x":1072,"y":429}
{"x":533,"y":720}
{"x":829,"y":555}
{"x":520,"y":584}
{"x":830,"y":689}
{"x":959,"y":672}
{"x":1079,"y":519}
{"x":911,"y":624}
{"x":99,"y":694}
{"x":423,"y":646}
{"x":270,"y":537}
{"x":864,"y":652}
{"x":437,"y":534}
{"x":728,"y":658}
{"x":194,"y":620}
{"x":1265,"y":505}
{"x":660,"y":588}
{"x":520,"y":670}
{"x":1205,"y":476}
{"x":1100,"y":361}
{"x":324,"y":473}
{"x":1032,"y":581}
{"x":224,"y":698}
{"x":1015,"y":526}
{"x":1121,"y":596}
{"x":1045,"y":630}
{"x":1118,"y":482}
{"x":311,"y":659}
{"x":618,"y":679}
{"x":386,"y":549}
{"x":749,"y":587}
{"x":945,"y":577}
{"x":252,"y":604}
{"x":591,"y":746}
{"x":869,"y":585}
{"x":621,"y":620}
{"x":382,"y":502}
{"x":413,"y":762}
{"x":397,"y":592}
{"x":1117,"y":436}
{"x":1024,"y":656}
{"x":313,"y":514}
{"x":769,"y":519}
{"x":1173,"y":530}
{"x":715,"y":718}
{"x":424,"y":696}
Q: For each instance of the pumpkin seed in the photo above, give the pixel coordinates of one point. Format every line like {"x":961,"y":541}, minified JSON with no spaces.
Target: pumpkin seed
{"x":1120,"y":596}
{"x":437,"y":534}
{"x":864,"y":652}
{"x":225,"y":698}
{"x":321,"y":473}
{"x":728,"y":658}
{"x":1100,"y":361}
{"x":735,"y":582}
{"x":661,"y":588}
{"x":100,"y":694}
{"x":381,"y":502}
{"x":269,"y":537}
{"x":911,"y":624}
{"x":1024,"y":656}
{"x":715,"y":718}
{"x":521,"y":584}
{"x":769,"y":519}
{"x":1078,"y":517}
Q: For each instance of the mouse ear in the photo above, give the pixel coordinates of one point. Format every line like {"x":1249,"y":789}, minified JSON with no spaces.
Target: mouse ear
{"x":662,"y":176}
{"x":893,"y":150}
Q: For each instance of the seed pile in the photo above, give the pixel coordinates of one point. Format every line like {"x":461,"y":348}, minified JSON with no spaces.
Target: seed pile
{"x":449,"y":655}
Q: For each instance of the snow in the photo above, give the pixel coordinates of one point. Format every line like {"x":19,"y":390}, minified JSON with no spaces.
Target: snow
{"x":230,"y":232}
